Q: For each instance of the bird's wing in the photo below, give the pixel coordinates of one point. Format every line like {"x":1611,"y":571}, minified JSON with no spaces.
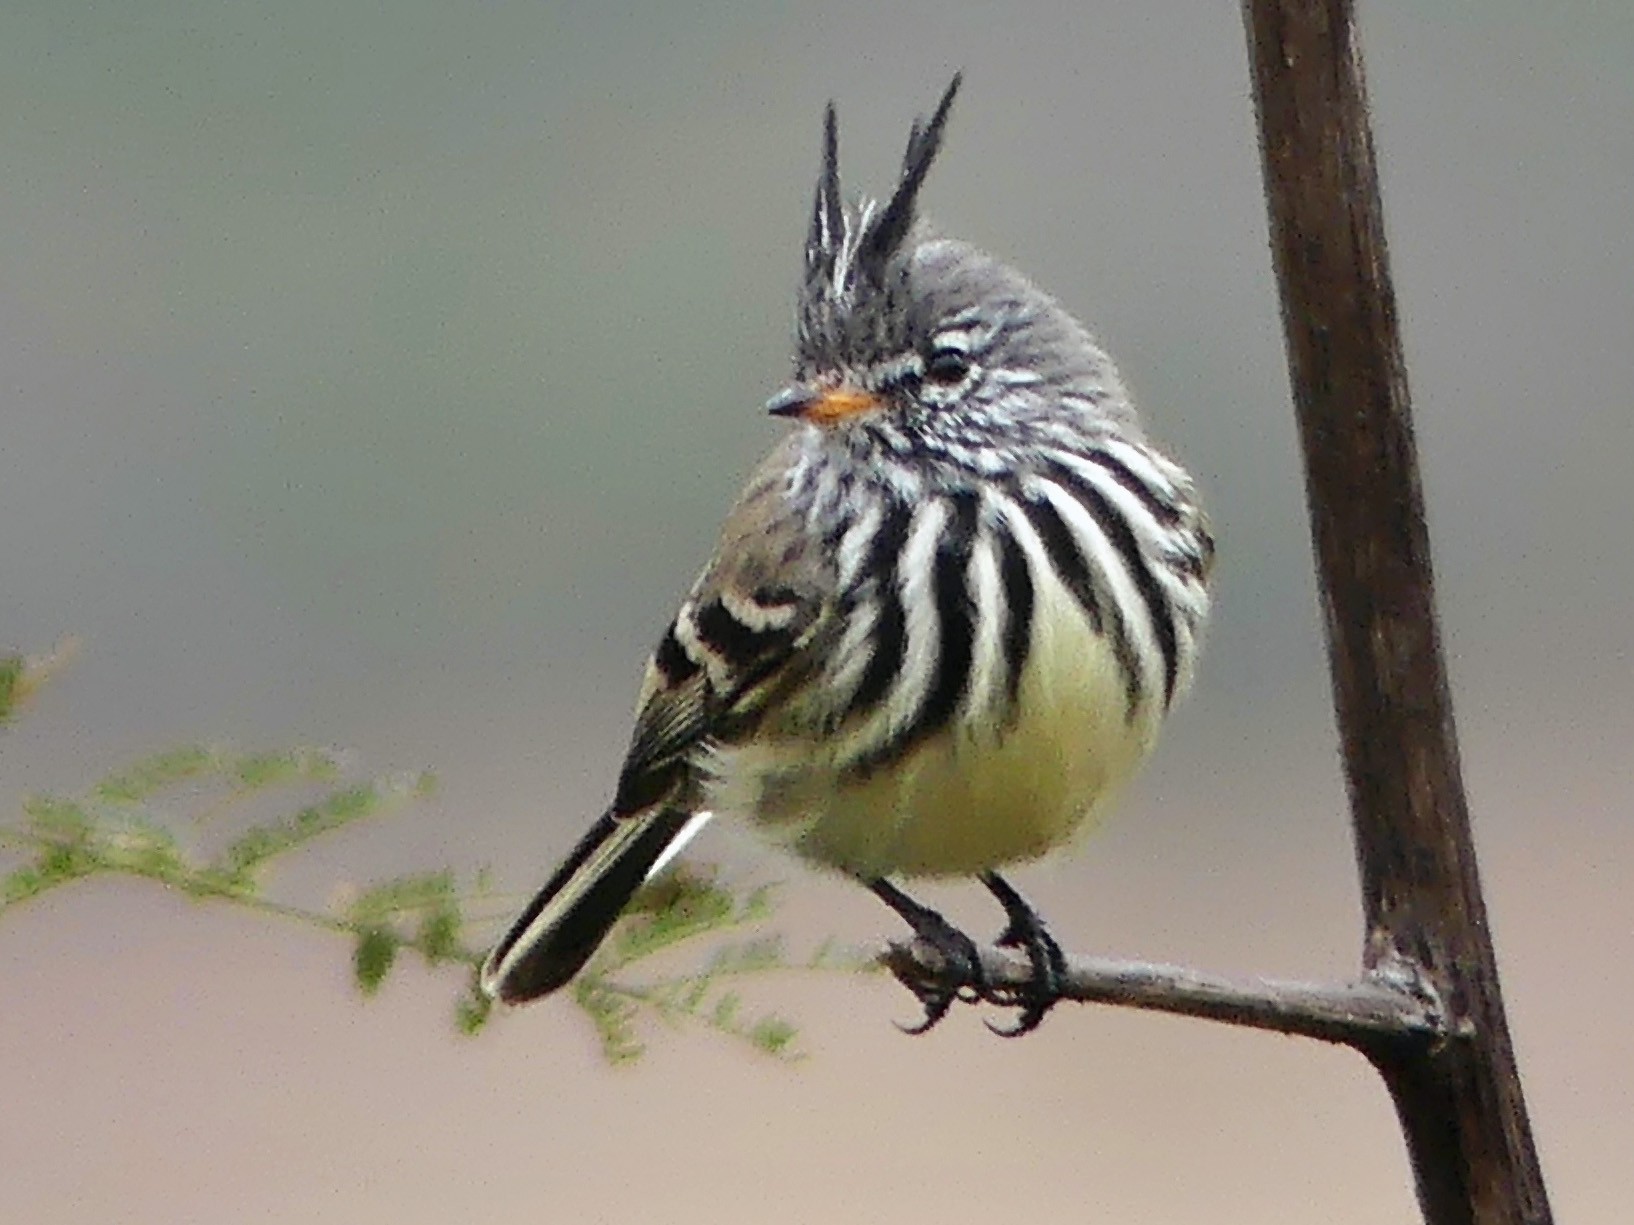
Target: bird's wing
{"x":749,"y":631}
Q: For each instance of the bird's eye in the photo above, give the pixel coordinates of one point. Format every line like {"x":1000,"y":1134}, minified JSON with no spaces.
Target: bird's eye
{"x":947,"y":367}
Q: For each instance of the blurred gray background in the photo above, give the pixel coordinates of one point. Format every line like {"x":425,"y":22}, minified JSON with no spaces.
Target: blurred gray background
{"x":376,"y":375}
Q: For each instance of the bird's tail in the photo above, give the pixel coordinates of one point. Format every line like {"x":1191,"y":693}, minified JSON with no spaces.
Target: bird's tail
{"x":573,"y":913}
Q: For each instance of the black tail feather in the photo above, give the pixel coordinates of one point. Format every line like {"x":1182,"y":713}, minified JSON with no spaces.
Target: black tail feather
{"x":527,"y":964}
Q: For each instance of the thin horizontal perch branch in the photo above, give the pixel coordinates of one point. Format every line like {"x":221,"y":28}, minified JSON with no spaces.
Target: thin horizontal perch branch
{"x":1373,"y":1012}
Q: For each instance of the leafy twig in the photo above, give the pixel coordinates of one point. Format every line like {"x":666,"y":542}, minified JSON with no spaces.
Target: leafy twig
{"x":129,"y":824}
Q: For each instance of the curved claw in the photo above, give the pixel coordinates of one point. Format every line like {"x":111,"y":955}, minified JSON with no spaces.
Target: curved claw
{"x":1025,"y":931}
{"x":936,"y":1007}
{"x":957,"y":950}
{"x":1032,"y":1015}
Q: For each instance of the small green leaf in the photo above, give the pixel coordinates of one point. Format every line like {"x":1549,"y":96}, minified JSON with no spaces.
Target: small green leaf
{"x":265,"y":841}
{"x":748,"y":956}
{"x":439,"y":935}
{"x":11,"y":673}
{"x":59,"y":864}
{"x":56,"y":820}
{"x":774,"y":1035}
{"x":21,"y":884}
{"x":153,"y":774}
{"x":613,"y":1015}
{"x":392,"y":898}
{"x":373,"y":957}
{"x":726,"y":1010}
{"x":471,"y":1013}
{"x":144,"y":850}
{"x":260,"y":770}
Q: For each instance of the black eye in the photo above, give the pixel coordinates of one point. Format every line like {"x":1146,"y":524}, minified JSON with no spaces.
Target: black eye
{"x":947,"y":367}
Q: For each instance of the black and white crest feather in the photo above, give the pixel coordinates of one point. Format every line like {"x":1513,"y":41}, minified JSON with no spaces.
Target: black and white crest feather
{"x":884,"y":234}
{"x":828,"y":210}
{"x":845,"y":245}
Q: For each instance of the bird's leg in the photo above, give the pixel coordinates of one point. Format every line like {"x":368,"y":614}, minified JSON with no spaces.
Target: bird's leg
{"x":1025,"y":931}
{"x":962,"y":963}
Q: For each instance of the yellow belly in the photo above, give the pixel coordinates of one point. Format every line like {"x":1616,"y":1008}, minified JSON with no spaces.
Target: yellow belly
{"x":976,"y":796}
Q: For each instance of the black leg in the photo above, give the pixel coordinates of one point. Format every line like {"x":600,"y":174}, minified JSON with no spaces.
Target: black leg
{"x":1025,"y":931}
{"x":956,"y":949}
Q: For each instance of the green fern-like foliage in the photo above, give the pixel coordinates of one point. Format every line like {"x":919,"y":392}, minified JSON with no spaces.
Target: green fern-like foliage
{"x":127,"y":824}
{"x":686,"y":907}
{"x":165,"y":818}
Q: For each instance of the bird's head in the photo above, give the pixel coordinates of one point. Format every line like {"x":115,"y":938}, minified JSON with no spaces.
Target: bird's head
{"x":926,"y":346}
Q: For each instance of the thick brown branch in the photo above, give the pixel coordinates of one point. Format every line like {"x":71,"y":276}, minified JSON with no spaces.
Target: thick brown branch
{"x":1375,"y":1014}
{"x":1460,"y":1103}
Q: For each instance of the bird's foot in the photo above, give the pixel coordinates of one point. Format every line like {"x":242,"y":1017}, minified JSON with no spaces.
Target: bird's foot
{"x":1025,"y":931}
{"x":961,"y":976}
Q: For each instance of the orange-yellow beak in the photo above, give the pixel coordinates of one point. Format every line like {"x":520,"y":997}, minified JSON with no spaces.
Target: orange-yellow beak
{"x":825,"y":406}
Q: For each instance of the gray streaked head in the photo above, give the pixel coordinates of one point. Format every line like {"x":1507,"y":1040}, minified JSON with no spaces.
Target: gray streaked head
{"x":947,"y":342}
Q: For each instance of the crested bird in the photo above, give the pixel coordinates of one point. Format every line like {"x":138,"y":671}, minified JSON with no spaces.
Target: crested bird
{"x":944,"y":621}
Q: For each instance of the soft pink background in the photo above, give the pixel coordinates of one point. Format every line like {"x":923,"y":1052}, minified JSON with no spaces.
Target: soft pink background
{"x":375,"y":376}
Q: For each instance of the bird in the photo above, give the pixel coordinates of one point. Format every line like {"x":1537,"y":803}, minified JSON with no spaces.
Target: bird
{"x":944,"y":621}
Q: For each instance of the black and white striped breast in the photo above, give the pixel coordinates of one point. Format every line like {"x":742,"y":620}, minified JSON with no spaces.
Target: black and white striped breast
{"x":941,"y":594}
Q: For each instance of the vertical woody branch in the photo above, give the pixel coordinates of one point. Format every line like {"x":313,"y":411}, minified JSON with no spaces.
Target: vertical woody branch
{"x":1459,"y":1099}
